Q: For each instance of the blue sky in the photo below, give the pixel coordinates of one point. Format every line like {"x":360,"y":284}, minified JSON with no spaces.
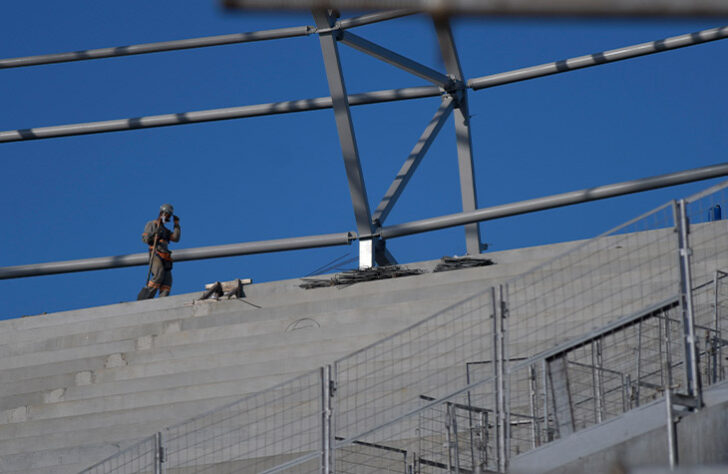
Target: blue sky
{"x":283,"y":176}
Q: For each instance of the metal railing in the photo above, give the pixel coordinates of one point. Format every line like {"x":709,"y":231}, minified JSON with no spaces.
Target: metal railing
{"x":584,"y":337}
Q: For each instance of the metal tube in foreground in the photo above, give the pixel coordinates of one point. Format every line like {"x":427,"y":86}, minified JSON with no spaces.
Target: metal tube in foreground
{"x":198,"y":253}
{"x":557,"y":200}
{"x":596,"y":59}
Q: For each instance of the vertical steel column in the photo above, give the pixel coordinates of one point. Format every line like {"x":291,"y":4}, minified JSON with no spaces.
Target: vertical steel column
{"x":347,"y":138}
{"x":506,"y":370}
{"x":671,"y":434}
{"x":598,"y":362}
{"x":326,"y":437}
{"x":545,"y":394}
{"x":158,"y":453}
{"x":533,"y":388}
{"x":639,"y":363}
{"x":668,"y":350}
{"x":496,"y":378}
{"x":462,"y":132}
{"x":691,"y":355}
{"x":718,"y":334}
{"x":502,"y":414}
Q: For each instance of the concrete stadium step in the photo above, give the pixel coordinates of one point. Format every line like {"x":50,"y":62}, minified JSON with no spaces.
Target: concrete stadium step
{"x":128,"y":325}
{"x":132,"y":357}
{"x":241,"y":374}
{"x":88,"y":430}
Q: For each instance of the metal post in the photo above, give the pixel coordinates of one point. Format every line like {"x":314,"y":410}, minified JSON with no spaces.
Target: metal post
{"x":601,"y":413}
{"x":718,"y":334}
{"x":456,"y":445}
{"x":326,"y":444}
{"x":535,"y":426}
{"x":502,"y":429}
{"x":462,"y":132}
{"x":506,"y":371}
{"x":639,"y":363}
{"x":595,"y":385}
{"x":691,"y":355}
{"x":158,"y":453}
{"x":671,"y":434}
{"x":545,"y":395}
{"x":483,"y":451}
{"x":496,"y":378}
{"x":668,"y":350}
{"x":448,"y":438}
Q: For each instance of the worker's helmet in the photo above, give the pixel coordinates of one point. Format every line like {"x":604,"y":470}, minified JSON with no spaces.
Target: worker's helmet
{"x":167,"y":209}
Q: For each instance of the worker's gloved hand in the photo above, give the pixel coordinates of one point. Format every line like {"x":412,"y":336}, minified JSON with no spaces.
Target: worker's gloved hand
{"x":176,"y":220}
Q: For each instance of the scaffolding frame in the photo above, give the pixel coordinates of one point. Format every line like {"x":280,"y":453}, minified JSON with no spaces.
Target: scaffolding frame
{"x":451,"y":86}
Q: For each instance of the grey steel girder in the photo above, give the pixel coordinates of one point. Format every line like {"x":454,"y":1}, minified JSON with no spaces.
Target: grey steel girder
{"x":462,"y":133}
{"x":397,"y":60}
{"x":555,"y":201}
{"x":597,"y":59}
{"x":453,"y":220}
{"x":146,"y":48}
{"x":229,"y":113}
{"x":412,"y":161}
{"x":181,"y":255}
{"x":344,"y":125}
{"x":357,"y":99}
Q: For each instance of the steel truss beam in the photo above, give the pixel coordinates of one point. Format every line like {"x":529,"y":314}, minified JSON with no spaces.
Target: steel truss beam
{"x":397,"y":60}
{"x":597,"y":59}
{"x":462,"y":133}
{"x":412,"y":161}
{"x":360,"y":99}
{"x":344,"y":125}
{"x":182,"y":255}
{"x":554,"y":201}
{"x":190,"y":43}
{"x":230,"y":113}
{"x":157,"y":47}
{"x":548,"y":202}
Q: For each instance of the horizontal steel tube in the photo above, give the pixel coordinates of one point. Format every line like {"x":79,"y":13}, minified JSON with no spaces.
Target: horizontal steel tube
{"x":198,"y":253}
{"x":550,"y":202}
{"x":596,"y":59}
{"x":157,"y":47}
{"x":214,"y":114}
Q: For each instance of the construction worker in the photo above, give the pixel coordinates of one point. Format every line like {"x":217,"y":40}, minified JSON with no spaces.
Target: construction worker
{"x":158,"y":237}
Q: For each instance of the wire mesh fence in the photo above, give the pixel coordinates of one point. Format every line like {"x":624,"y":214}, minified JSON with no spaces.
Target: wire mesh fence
{"x":140,"y":458}
{"x":386,"y":380}
{"x":451,"y":434}
{"x":579,"y":340}
{"x":279,"y":426}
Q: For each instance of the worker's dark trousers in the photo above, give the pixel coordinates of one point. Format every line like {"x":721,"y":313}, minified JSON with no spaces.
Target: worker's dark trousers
{"x":161,"y":279}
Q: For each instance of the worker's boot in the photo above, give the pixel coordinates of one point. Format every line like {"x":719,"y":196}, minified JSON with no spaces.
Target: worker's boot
{"x":163,"y":293}
{"x":146,"y":293}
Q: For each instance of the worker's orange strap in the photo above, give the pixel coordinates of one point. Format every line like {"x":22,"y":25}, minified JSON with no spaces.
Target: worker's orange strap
{"x":163,"y":255}
{"x":165,"y":288}
{"x":151,"y":284}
